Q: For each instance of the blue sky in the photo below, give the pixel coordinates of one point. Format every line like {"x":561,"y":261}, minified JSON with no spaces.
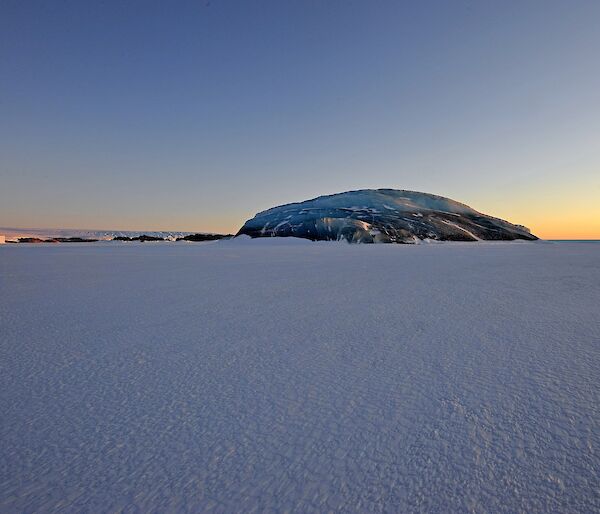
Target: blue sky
{"x":196,"y":115}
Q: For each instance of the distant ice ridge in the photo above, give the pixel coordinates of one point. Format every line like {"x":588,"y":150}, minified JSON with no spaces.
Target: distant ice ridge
{"x":382,"y":216}
{"x":12,"y":234}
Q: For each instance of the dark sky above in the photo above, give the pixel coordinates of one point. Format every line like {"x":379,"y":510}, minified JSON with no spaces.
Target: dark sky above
{"x":195,"y":115}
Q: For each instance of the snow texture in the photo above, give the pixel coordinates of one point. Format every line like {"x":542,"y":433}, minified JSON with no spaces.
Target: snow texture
{"x":245,"y":377}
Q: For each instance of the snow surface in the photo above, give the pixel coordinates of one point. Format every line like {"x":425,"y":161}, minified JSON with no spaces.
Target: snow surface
{"x":238,"y":377}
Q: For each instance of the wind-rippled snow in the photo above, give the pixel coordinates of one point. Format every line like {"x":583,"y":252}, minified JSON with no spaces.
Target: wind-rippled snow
{"x":304,"y":377}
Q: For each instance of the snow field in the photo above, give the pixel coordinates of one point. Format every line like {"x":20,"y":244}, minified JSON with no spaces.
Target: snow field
{"x":265,"y":376}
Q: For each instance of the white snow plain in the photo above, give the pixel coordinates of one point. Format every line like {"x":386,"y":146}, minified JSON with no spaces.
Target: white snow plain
{"x":313,"y":377}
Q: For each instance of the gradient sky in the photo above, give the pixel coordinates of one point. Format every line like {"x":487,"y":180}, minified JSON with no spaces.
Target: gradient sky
{"x":195,"y":115}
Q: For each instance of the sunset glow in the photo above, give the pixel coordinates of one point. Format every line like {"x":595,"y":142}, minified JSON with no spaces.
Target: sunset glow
{"x":198,"y":116}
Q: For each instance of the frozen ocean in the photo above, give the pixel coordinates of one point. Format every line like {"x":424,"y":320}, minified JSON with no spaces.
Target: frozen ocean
{"x":291,"y":376}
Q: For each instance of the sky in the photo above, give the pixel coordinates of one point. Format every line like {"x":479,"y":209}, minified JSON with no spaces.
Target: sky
{"x":195,"y":115}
